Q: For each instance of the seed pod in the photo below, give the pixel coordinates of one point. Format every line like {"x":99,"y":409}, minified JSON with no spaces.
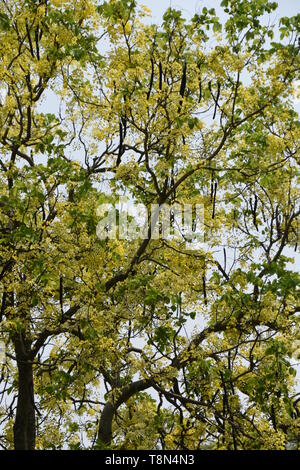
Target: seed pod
{"x":204,"y":289}
{"x":214,"y":199}
{"x":160,"y":76}
{"x":200,"y":90}
{"x":120,"y":144}
{"x":254,"y":210}
{"x":151,"y":79}
{"x":182,"y":87}
{"x":183,"y":81}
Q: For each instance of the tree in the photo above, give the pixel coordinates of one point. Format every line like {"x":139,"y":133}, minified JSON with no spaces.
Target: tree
{"x":148,"y":343}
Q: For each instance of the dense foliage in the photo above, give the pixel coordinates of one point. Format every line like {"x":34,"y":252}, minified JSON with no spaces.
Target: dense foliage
{"x":148,"y":344}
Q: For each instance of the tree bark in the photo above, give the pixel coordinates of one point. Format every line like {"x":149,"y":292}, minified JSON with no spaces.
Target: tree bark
{"x":110,"y":408}
{"x":105,"y":426}
{"x":24,"y":426}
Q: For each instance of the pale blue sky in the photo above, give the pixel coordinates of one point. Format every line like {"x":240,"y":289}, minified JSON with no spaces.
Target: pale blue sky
{"x":189,"y":7}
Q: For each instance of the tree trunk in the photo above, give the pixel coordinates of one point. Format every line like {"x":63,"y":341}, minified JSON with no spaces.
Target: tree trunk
{"x":24,"y":426}
{"x":105,"y":426}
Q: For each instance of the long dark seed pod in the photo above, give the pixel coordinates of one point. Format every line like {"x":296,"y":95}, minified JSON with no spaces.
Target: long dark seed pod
{"x":214,"y":199}
{"x":120,"y":144}
{"x":182,"y":87}
{"x":160,"y":76}
{"x":204,"y":289}
{"x":212,"y":186}
{"x":254,"y":210}
{"x":200,"y":82}
{"x":183,"y":81}
{"x":200,"y":91}
{"x":151,"y":79}
{"x":173,"y":187}
{"x":211,"y":191}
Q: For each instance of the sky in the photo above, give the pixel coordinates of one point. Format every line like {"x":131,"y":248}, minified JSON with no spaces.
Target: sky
{"x":190,"y":7}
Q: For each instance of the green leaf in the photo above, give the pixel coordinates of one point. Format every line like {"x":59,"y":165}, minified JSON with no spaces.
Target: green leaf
{"x":4,"y":22}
